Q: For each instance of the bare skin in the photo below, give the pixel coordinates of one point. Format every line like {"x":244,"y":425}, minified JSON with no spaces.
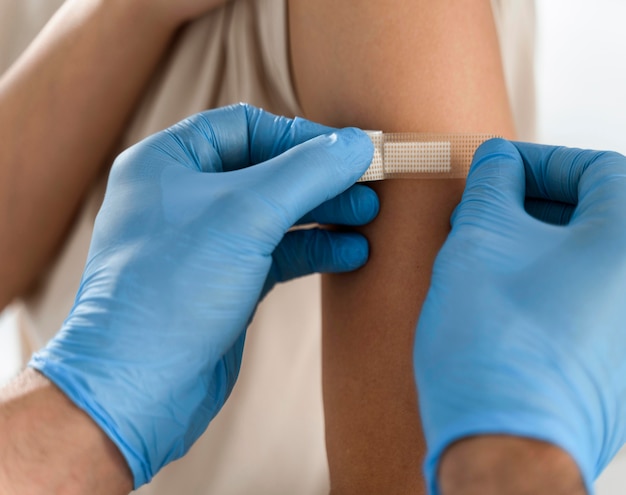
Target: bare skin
{"x":63,"y":105}
{"x":497,"y":464}
{"x":401,"y":66}
{"x":49,"y":446}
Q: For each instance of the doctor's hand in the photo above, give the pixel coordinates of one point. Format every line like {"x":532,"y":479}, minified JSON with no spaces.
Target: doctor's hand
{"x":193,"y":232}
{"x":523,"y":332}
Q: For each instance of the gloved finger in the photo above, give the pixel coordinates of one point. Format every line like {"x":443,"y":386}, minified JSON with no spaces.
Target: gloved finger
{"x":495,"y":183}
{"x":553,"y":172}
{"x":356,"y":206}
{"x":299,"y":180}
{"x":574,"y":176}
{"x":602,"y":190}
{"x":551,"y":212}
{"x":236,"y":136}
{"x":303,"y":252}
{"x":271,"y":135}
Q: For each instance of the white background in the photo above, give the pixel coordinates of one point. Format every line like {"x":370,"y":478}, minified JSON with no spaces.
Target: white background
{"x":581,"y":84}
{"x":581,"y":73}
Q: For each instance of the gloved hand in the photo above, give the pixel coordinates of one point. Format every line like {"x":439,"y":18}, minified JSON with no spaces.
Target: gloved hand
{"x":523,"y":331}
{"x":189,"y":238}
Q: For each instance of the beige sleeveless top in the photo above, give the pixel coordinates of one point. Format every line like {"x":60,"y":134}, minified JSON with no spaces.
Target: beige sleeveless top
{"x":269,"y":438}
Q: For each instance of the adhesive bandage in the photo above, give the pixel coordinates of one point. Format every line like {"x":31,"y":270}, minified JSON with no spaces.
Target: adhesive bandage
{"x":422,"y":156}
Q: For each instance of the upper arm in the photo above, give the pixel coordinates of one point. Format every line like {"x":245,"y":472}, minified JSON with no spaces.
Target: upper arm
{"x":401,"y":65}
{"x":396,"y":66}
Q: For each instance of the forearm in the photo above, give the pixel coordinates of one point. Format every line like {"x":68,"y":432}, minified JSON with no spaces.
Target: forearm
{"x":493,"y":465}
{"x":63,"y":105}
{"x":49,"y":446}
{"x":402,"y":66}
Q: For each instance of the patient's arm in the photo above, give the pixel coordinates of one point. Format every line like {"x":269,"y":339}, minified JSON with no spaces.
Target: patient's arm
{"x":402,"y":65}
{"x":63,"y":104}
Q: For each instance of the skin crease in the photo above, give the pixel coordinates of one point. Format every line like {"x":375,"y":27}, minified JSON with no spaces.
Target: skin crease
{"x":453,"y":83}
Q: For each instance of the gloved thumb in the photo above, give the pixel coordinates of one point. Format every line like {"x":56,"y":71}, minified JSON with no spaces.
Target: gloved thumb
{"x":313,"y":172}
{"x":495,"y":184}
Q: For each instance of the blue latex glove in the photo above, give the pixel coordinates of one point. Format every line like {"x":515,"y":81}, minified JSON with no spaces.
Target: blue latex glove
{"x":188,"y":240}
{"x":523,"y":331}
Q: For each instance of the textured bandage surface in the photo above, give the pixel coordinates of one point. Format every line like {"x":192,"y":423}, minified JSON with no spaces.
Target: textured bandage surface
{"x":421,"y":155}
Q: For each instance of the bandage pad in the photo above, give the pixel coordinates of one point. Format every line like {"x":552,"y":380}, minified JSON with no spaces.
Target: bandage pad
{"x":422,"y":155}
